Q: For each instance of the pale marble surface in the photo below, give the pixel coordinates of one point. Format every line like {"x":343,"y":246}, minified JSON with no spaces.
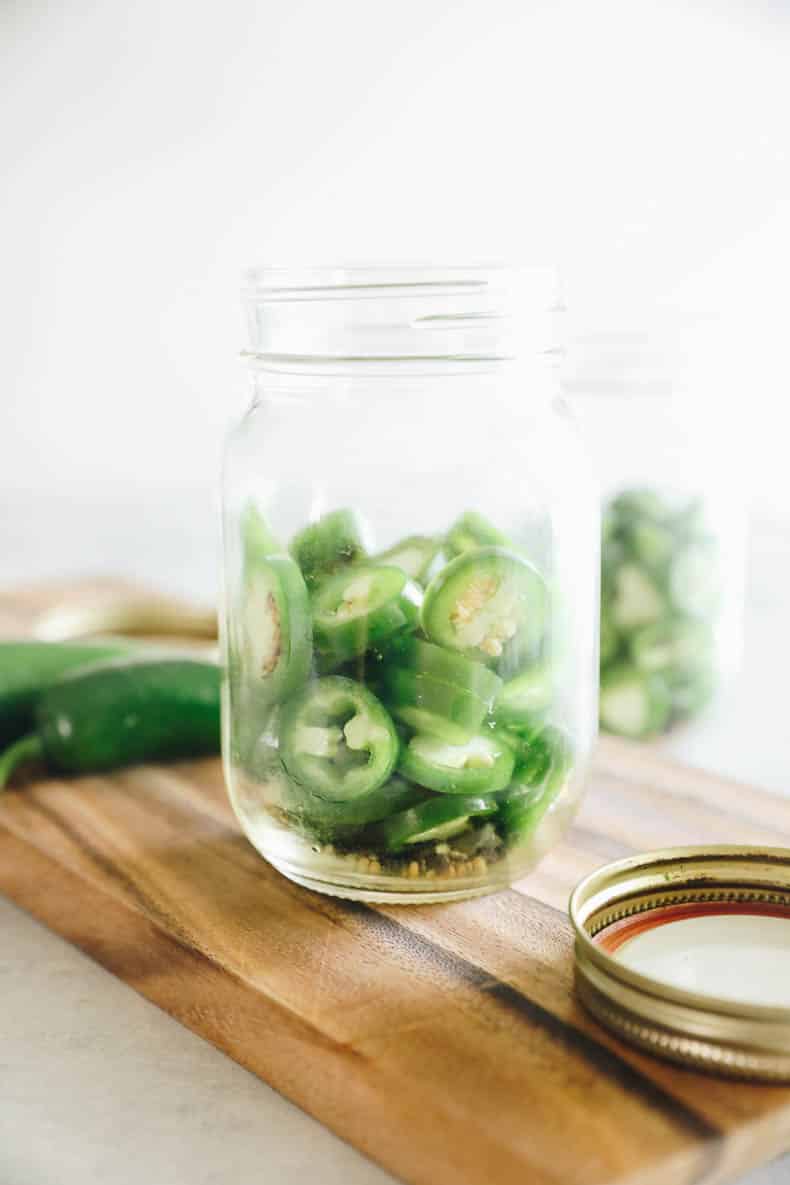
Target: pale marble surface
{"x":99,"y":1086}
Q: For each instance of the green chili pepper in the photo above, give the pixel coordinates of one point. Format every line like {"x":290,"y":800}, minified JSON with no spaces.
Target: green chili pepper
{"x":660,"y":596}
{"x":414,"y":555}
{"x":690,"y":692}
{"x":328,"y":544}
{"x":436,"y":691}
{"x":695,"y":579}
{"x":630,"y":505}
{"x":336,"y":821}
{"x":610,"y":641}
{"x":487,"y":604}
{"x":523,"y":701}
{"x":479,"y":766}
{"x":438,"y":818}
{"x":337,"y":740}
{"x":117,"y":715}
{"x":445,"y":666}
{"x":425,"y":704}
{"x":470,"y":531}
{"x":360,"y":608}
{"x":677,"y":646}
{"x":27,"y":668}
{"x":257,"y":538}
{"x":276,"y":628}
{"x":542,"y":769}
{"x":633,"y":703}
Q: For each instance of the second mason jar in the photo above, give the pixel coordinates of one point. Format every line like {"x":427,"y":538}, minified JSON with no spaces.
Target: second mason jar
{"x":659,"y":419}
{"x":411,"y":582}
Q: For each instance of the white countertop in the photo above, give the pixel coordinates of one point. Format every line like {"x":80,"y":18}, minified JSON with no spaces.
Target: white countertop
{"x":99,"y":1086}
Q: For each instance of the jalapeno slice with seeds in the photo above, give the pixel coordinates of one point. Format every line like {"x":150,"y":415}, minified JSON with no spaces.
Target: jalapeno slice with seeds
{"x":324,"y":546}
{"x":436,"y":819}
{"x":360,"y":608}
{"x":337,"y":740}
{"x":487,"y":604}
{"x":481,"y":765}
{"x":276,"y":634}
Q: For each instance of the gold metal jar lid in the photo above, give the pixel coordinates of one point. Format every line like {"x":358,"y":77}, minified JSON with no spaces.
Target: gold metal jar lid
{"x":686,"y":953}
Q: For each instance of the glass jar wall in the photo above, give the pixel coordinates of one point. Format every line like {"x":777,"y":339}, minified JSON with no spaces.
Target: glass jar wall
{"x":673,"y":528}
{"x":411,"y":576}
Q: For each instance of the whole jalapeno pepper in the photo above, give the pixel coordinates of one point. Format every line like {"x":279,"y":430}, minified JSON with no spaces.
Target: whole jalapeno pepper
{"x":27,"y":668}
{"x":119,"y":714}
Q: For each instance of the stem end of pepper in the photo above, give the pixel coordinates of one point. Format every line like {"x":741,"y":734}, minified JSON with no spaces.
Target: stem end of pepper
{"x":27,"y":748}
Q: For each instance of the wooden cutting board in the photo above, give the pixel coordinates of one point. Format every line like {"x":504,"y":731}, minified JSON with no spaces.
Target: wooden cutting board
{"x":442,"y":1041}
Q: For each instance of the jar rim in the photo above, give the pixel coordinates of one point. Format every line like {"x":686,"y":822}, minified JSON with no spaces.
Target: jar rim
{"x":348,"y":280}
{"x":491,"y":311}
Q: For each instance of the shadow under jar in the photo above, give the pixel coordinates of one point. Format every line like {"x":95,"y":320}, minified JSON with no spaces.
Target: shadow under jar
{"x":411,"y":583}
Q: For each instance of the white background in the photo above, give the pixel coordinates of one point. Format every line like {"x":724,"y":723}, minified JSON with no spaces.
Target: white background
{"x":152,"y":151}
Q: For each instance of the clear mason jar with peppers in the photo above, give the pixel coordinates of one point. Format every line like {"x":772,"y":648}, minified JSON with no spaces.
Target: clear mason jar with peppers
{"x":411,"y":582}
{"x":673,"y":523}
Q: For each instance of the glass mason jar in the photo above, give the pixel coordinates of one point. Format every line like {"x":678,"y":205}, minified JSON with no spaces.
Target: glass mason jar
{"x":411,"y":583}
{"x":673,"y":525}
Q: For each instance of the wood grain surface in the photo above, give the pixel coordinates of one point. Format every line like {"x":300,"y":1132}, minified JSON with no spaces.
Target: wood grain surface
{"x":442,"y":1041}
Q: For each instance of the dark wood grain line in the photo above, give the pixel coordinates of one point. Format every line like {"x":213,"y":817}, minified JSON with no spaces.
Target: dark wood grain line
{"x":604,"y":1060}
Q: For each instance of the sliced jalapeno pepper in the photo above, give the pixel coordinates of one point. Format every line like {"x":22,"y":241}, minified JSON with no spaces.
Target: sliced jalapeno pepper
{"x":257,"y":540}
{"x":488,"y":604}
{"x":695,"y":579}
{"x":414,"y":555}
{"x":428,"y":706}
{"x":633,"y":703}
{"x":338,"y":820}
{"x":361,"y":607}
{"x":675,"y":645}
{"x":276,"y":630}
{"x":523,"y":701}
{"x":540,"y":776}
{"x":337,"y":740}
{"x":650,"y":544}
{"x":470,"y":531}
{"x":610,"y":641}
{"x":446,"y":666}
{"x":690,"y":693}
{"x":435,"y":819}
{"x":328,"y":544}
{"x":480,"y":766}
{"x":636,"y":598}
{"x":533,"y":756}
{"x":640,"y":504}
